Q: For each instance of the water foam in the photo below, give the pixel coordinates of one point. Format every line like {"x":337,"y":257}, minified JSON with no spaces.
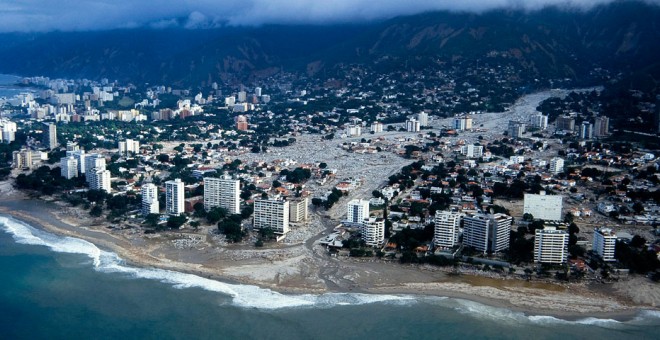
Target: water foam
{"x":242,"y":295}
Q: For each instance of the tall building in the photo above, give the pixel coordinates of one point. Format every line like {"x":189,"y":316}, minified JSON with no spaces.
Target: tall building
{"x":150,"y":203}
{"x":129,"y":145}
{"x":22,"y":159}
{"x":272,"y":214}
{"x":412,"y":125}
{"x":376,"y":127}
{"x":586,"y":130}
{"x":539,"y":121}
{"x":556,"y":165}
{"x":601,"y":126}
{"x":550,"y":245}
{"x":222,"y":192}
{"x":51,"y":136}
{"x":516,"y":129}
{"x":472,"y":151}
{"x":447,"y":228}
{"x":257,"y":91}
{"x":604,"y":243}
{"x":373,"y":231}
{"x":565,"y":123}
{"x":543,"y":207}
{"x":242,"y":96}
{"x":8,"y":131}
{"x":174,"y":197}
{"x":79,"y":155}
{"x":69,"y":167}
{"x":357,"y":211}
{"x":99,"y":179}
{"x":487,"y":233}
{"x":93,"y":162}
{"x":241,"y":123}
{"x":462,"y":123}
{"x":423,"y":119}
{"x":299,"y":210}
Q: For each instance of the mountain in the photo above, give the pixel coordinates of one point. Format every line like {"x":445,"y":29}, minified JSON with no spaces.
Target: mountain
{"x":548,"y":43}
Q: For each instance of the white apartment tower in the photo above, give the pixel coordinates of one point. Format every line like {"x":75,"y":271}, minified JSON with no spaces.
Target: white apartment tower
{"x":550,"y":245}
{"x":487,"y":233}
{"x":79,"y":155}
{"x":298,"y":210}
{"x":539,"y":121}
{"x":604,"y":243}
{"x":99,"y":179}
{"x":601,"y":126}
{"x":69,"y":167}
{"x":543,"y":207}
{"x":472,"y":151}
{"x":222,"y":192}
{"x":150,"y":203}
{"x":462,"y":123}
{"x":376,"y":127}
{"x":373,"y":231}
{"x":516,"y":129}
{"x":556,"y":165}
{"x":129,"y":145}
{"x":92,"y":163}
{"x":272,"y":214}
{"x":357,"y":211}
{"x":51,"y":136}
{"x":174,"y":197}
{"x":412,"y":125}
{"x":447,"y":228}
{"x":423,"y":119}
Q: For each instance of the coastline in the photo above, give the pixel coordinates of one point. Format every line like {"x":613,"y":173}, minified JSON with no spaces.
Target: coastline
{"x":570,"y":306}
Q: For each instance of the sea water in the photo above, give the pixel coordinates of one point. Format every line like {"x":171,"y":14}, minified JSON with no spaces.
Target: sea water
{"x":65,"y":288}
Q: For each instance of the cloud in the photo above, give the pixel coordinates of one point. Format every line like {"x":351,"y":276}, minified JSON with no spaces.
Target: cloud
{"x":80,"y":15}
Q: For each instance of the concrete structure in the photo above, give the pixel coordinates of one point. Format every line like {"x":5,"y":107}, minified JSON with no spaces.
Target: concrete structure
{"x":516,"y":129}
{"x":472,"y":151}
{"x":93,"y":162}
{"x":487,"y":233}
{"x":462,"y":123}
{"x":299,"y":210}
{"x":604,"y":243}
{"x":50,"y":136}
{"x":412,"y":125}
{"x":353,"y":130}
{"x":601,"y":127}
{"x":447,"y":228}
{"x":423,"y":119}
{"x":539,"y":121}
{"x":150,"y":203}
{"x":376,"y":127}
{"x":556,"y":165}
{"x":7,"y":131}
{"x":222,"y":192}
{"x":174,"y":197}
{"x":99,"y":179}
{"x":550,"y":246}
{"x":543,"y":207}
{"x":69,"y":167}
{"x":373,"y":231}
{"x":241,"y":123}
{"x":79,"y":155}
{"x":357,"y":211}
{"x":565,"y":123}
{"x":586,"y":130}
{"x":129,"y":145}
{"x":22,"y":159}
{"x":272,"y":214}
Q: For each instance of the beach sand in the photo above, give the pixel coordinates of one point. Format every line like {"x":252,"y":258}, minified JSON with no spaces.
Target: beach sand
{"x":302,"y":269}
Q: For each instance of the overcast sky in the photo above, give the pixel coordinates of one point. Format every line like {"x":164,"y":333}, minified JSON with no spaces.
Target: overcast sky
{"x":70,"y":15}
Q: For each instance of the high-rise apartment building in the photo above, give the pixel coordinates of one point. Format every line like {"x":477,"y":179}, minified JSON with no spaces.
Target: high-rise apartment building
{"x":174,"y":197}
{"x":150,"y":203}
{"x":550,"y":245}
{"x":556,"y":165}
{"x":423,"y":119}
{"x":373,"y":231}
{"x":487,"y":233}
{"x":516,"y":129}
{"x":604,"y":243}
{"x":601,"y":126}
{"x":129,"y":146}
{"x":99,"y":179}
{"x":447,"y":228}
{"x":222,"y":192}
{"x":272,"y":214}
{"x":357,"y":211}
{"x":69,"y":167}
{"x":51,"y":136}
{"x":543,"y":207}
{"x":298,"y":209}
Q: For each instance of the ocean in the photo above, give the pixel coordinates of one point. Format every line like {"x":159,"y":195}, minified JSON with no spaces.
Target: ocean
{"x":65,"y":288}
{"x":8,"y":89}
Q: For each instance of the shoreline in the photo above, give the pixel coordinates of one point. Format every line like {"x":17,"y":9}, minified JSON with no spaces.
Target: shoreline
{"x":40,"y":214}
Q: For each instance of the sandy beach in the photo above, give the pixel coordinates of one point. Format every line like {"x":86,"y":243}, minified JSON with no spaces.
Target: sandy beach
{"x":305,"y":268}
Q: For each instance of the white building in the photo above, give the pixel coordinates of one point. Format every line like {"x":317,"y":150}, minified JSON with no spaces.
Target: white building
{"x":447,"y":228}
{"x":556,"y":165}
{"x":7,"y":132}
{"x":412,"y":125}
{"x":550,"y":245}
{"x":423,"y":119}
{"x":51,"y":136}
{"x":376,"y":127}
{"x":299,"y":210}
{"x":79,"y":155}
{"x":272,"y":214}
{"x":150,"y":203}
{"x":543,"y":207}
{"x":357,"y":211}
{"x":99,"y":179}
{"x":601,"y":126}
{"x":586,"y":130}
{"x":516,"y":129}
{"x":604,"y":243}
{"x":472,"y":151}
{"x":373,"y":231}
{"x":462,"y":123}
{"x":129,"y":145}
{"x":22,"y":159}
{"x":487,"y":233}
{"x":222,"y":192}
{"x":92,"y":163}
{"x":539,"y":121}
{"x":69,"y":167}
{"x":354,"y":131}
{"x":174,"y":197}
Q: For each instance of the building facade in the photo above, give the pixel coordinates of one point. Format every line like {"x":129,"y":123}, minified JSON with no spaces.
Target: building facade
{"x":299,"y":210}
{"x":487,"y":233}
{"x":543,"y":207}
{"x":99,"y":179}
{"x":447,"y":228}
{"x":550,"y":246}
{"x":150,"y":203}
{"x":272,"y":214}
{"x":222,"y":192}
{"x":373,"y":231}
{"x":174,"y":197}
{"x":357,"y":211}
{"x":69,"y":167}
{"x":604,"y":243}
{"x":556,"y":165}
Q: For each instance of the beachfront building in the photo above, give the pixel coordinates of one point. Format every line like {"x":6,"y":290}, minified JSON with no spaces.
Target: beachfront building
{"x":93,"y":162}
{"x":150,"y":203}
{"x":174,"y":197}
{"x":99,"y":179}
{"x":69,"y":167}
{"x":556,"y":165}
{"x":298,"y":210}
{"x":22,"y":159}
{"x":373,"y":231}
{"x":604,"y":243}
{"x":357,"y":211}
{"x":79,"y":155}
{"x":543,"y":207}
{"x":550,"y":246}
{"x":222,"y":192}
{"x":272,"y":214}
{"x":487,"y":233}
{"x":447,"y":228}
{"x":129,"y":146}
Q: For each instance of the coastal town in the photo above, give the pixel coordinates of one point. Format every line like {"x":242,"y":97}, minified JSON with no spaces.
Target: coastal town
{"x":403,"y":170}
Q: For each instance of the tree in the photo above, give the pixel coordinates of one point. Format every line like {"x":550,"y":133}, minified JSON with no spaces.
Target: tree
{"x":175,"y":222}
{"x":216,"y":214}
{"x":323,"y":165}
{"x":152,"y":220}
{"x":96,"y":211}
